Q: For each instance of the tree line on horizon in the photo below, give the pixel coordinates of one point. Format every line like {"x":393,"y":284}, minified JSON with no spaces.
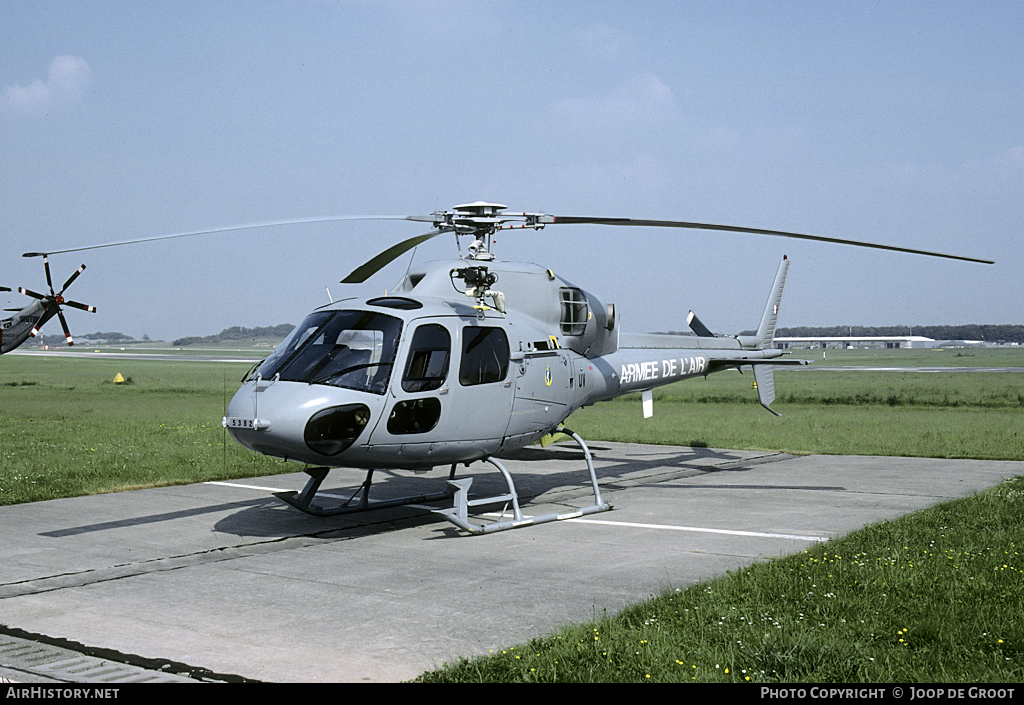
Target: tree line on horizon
{"x":237,"y":333}
{"x":978,"y":331}
{"x":984,"y":332}
{"x":234,"y":333}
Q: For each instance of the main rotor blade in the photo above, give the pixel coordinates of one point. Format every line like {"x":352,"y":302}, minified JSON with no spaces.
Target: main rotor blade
{"x":41,"y":322}
{"x":562,"y":220}
{"x":81,"y":307}
{"x":34,"y":295}
{"x":72,"y":278}
{"x":232,"y":228}
{"x":46,"y":266}
{"x":363,"y":272}
{"x":64,"y":325}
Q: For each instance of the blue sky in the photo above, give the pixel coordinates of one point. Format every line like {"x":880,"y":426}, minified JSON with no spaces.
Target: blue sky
{"x":894,"y":122}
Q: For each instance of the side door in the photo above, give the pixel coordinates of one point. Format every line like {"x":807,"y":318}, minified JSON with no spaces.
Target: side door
{"x":454,"y":394}
{"x":482,"y":390}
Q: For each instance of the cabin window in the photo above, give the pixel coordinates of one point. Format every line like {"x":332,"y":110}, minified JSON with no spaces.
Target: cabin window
{"x":414,"y":416}
{"x":485,"y":356}
{"x":429,"y":353}
{"x":575,"y":311}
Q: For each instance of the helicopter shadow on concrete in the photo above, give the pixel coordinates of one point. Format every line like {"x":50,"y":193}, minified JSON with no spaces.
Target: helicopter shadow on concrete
{"x":553,"y":475}
{"x":273,"y":519}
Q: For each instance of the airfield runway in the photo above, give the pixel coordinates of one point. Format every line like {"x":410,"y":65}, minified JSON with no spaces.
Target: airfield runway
{"x":223,"y":580}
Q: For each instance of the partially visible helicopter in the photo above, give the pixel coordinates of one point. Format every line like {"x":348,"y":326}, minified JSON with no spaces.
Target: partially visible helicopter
{"x":468,"y":359}
{"x":27,"y":321}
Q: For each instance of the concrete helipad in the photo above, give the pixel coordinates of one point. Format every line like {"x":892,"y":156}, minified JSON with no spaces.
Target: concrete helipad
{"x":224,"y":581}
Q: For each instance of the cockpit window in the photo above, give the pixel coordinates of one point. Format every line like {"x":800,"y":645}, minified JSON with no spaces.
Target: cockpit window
{"x":351,"y":349}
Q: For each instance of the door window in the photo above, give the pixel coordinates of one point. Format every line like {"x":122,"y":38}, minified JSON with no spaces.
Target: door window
{"x":429,"y":353}
{"x":484,"y":356}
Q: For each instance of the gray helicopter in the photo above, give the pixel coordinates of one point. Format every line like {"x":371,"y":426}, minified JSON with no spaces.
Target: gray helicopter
{"x":469,"y":359}
{"x":27,"y":321}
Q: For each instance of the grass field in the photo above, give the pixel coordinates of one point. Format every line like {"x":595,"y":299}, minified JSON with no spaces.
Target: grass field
{"x":68,"y":430}
{"x":935,"y":596}
{"x":942,"y":414}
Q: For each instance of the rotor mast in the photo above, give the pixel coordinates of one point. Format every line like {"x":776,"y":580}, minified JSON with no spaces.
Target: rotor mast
{"x":482,"y":220}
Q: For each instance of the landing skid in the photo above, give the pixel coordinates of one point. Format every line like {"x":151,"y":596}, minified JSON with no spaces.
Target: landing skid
{"x":457,"y":489}
{"x":304,"y":500}
{"x":459,"y":514}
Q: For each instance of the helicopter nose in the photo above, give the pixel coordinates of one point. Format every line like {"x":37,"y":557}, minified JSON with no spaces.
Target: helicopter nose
{"x":296,"y":422}
{"x":332,"y":430}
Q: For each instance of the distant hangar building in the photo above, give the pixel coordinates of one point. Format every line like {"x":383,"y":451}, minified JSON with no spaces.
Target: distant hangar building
{"x":878,"y":341}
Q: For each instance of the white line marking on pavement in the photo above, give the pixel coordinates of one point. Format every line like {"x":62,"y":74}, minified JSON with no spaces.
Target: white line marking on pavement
{"x":245,"y":487}
{"x":269,"y":489}
{"x":757,"y":534}
{"x":633,"y":525}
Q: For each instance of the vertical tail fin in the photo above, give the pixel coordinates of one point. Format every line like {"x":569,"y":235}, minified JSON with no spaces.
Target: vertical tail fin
{"x":764,"y":380}
{"x":764,"y":374}
{"x":766,"y":331}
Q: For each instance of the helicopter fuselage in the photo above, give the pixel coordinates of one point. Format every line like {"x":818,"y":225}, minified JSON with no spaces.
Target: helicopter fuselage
{"x":433,"y":375}
{"x":15,"y":330}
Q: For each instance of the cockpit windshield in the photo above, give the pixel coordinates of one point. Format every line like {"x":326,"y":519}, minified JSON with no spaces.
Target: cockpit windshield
{"x":351,"y":349}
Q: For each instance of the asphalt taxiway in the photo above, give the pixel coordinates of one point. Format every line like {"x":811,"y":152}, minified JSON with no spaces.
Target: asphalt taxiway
{"x":220,"y":581}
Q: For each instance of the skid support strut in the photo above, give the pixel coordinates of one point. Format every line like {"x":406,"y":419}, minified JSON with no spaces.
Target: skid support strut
{"x":459,"y":514}
{"x":304,"y":500}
